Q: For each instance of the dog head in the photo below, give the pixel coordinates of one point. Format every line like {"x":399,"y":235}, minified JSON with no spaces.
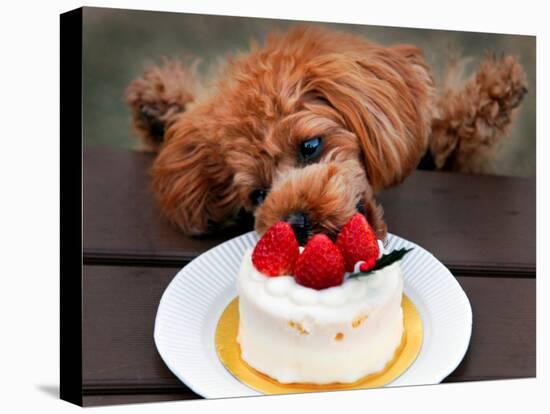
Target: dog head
{"x":306,"y":128}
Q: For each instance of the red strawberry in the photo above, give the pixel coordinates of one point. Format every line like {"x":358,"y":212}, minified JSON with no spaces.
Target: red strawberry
{"x":320,"y":265}
{"x":368,"y":265}
{"x":357,"y":241}
{"x":276,"y":252}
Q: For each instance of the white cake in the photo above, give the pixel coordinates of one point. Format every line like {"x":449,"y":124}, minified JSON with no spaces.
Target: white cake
{"x":295,"y":334}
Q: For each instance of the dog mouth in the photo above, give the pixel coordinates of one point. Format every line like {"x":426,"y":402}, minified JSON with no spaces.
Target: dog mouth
{"x":304,"y":228}
{"x":361,"y":207}
{"x":301,"y":224}
{"x":317,"y":199}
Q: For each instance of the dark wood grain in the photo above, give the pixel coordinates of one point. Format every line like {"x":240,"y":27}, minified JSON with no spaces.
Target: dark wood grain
{"x":475,"y":224}
{"x":503,"y":343}
{"x":120,"y":305}
{"x":113,"y":399}
{"x":121,"y":223}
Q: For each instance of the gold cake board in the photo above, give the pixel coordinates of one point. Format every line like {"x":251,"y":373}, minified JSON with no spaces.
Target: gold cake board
{"x":229,"y":353}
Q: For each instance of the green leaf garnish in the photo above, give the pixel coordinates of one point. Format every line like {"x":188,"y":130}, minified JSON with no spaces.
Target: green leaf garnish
{"x":385,"y":260}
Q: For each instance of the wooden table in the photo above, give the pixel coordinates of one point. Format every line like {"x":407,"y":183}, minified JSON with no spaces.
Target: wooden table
{"x":481,"y":227}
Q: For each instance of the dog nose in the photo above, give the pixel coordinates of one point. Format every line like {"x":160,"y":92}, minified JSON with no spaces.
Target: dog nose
{"x":300,"y":224}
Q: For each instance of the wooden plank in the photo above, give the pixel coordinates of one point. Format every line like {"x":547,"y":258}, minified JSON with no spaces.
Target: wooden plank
{"x":120,"y":305}
{"x":503,"y":343}
{"x":473,"y":224}
{"x":120,"y":220}
{"x":477,"y":224}
{"x":113,"y":399}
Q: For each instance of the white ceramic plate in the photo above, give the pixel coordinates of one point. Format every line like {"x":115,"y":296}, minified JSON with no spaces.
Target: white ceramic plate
{"x":193,"y":302}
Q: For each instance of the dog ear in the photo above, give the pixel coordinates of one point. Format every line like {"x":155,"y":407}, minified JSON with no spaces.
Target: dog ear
{"x":192,"y":181}
{"x":384,"y":96}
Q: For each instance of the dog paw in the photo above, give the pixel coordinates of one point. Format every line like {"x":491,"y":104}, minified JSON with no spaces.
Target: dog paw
{"x":502,"y":86}
{"x":157,"y":98}
{"x":475,"y":115}
{"x":151,"y":117}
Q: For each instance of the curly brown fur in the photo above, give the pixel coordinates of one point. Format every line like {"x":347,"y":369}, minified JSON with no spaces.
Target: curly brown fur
{"x":474,"y":115}
{"x":158,"y":97}
{"x":372,"y":107}
{"x":327,"y":192}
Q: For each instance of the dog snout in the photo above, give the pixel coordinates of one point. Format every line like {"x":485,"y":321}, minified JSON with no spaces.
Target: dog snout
{"x":300,"y":224}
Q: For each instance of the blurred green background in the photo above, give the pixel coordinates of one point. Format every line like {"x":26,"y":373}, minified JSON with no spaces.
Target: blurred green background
{"x":119,"y":43}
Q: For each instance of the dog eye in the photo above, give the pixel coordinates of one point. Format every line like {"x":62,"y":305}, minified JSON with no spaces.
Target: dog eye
{"x":310,"y":149}
{"x":258,"y":196}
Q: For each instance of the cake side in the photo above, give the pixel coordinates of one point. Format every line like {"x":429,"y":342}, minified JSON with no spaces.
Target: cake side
{"x":293,"y":333}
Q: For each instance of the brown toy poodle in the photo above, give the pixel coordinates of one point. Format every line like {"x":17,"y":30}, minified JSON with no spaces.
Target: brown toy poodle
{"x":309,"y":127}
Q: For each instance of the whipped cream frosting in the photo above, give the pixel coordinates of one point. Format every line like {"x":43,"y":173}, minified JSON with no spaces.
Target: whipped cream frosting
{"x":293,"y":333}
